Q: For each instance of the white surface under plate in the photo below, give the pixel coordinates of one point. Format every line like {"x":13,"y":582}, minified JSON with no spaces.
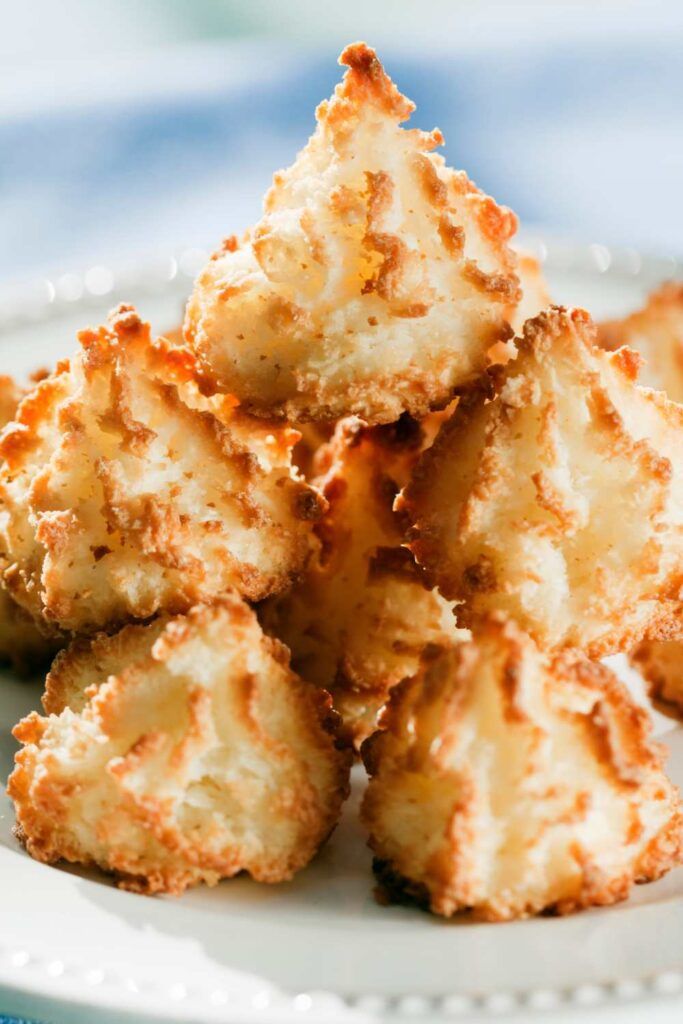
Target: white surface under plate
{"x":73,"y":948}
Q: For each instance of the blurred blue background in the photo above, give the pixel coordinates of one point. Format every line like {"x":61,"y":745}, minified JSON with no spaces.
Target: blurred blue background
{"x":129,"y":127}
{"x":138,"y":127}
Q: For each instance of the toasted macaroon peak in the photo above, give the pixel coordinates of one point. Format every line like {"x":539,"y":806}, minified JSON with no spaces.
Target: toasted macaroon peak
{"x":656,"y":332}
{"x":124,"y":491}
{"x":555,"y":493}
{"x":510,"y":782}
{"x":376,"y":281}
{"x":183,"y":752}
{"x":362,"y":614}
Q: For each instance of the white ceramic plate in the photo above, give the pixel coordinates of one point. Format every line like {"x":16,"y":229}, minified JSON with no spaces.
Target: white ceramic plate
{"x":318,"y":948}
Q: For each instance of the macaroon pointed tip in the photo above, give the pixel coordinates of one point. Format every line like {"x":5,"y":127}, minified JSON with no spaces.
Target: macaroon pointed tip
{"x":366,"y":70}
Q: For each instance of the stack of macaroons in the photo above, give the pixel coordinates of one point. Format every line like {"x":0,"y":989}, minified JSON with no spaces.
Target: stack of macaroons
{"x":348,"y":462}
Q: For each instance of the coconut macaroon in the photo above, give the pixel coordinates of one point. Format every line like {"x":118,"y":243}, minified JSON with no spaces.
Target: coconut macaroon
{"x":656,"y":332}
{"x":124,"y":491}
{"x":376,"y":280}
{"x":660,"y":662}
{"x":361,"y":616}
{"x":555,"y":493}
{"x":187,"y":751}
{"x":21,"y":643}
{"x":509,"y":782}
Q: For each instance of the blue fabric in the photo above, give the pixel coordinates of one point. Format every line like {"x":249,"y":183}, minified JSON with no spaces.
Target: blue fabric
{"x":582,"y":139}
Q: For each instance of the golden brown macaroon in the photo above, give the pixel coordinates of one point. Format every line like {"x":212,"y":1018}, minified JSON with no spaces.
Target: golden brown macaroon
{"x":376,"y":280}
{"x":21,"y":643}
{"x":510,"y":782}
{"x":361,"y":616}
{"x":557,"y":496}
{"x":656,"y":332}
{"x":183,"y":752}
{"x":125,"y":492}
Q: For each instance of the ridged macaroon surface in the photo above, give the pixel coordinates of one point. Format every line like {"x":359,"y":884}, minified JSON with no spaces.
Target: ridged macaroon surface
{"x":509,"y":782}
{"x":555,"y":493}
{"x":80,"y":669}
{"x":362,"y":614}
{"x":124,"y":491}
{"x":375,"y":282}
{"x":21,"y":643}
{"x":199,"y":757}
{"x":656,"y":333}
